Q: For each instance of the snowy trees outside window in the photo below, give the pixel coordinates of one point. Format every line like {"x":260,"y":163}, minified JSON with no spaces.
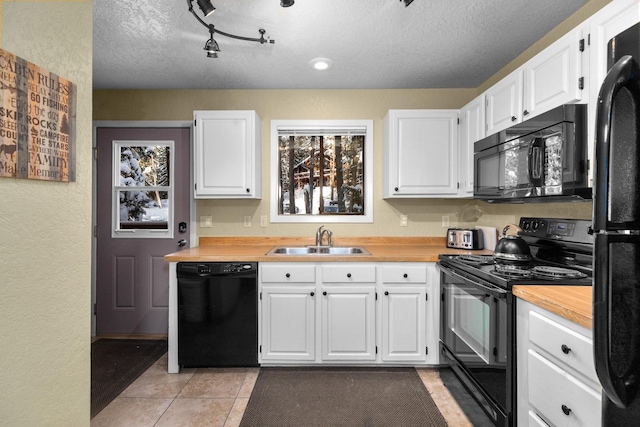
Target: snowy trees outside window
{"x":143,"y":186}
{"x":321,"y":173}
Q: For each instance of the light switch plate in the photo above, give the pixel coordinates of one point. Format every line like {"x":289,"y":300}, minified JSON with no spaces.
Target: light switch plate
{"x":247,"y":221}
{"x":404,"y":221}
{"x":263,"y":220}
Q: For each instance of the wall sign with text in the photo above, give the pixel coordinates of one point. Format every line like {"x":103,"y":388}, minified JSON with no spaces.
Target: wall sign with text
{"x":37,"y":122}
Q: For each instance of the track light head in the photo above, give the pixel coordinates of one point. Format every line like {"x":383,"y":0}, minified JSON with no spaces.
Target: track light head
{"x":286,"y":3}
{"x":206,"y":7}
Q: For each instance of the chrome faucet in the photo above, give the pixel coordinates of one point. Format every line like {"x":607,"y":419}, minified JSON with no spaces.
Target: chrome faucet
{"x":320,"y":234}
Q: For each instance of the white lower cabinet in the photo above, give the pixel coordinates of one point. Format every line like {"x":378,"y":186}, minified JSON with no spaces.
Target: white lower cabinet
{"x":288,"y":312}
{"x":347,"y":313}
{"x":557,"y":383}
{"x":404,"y":308}
{"x":348,"y":322}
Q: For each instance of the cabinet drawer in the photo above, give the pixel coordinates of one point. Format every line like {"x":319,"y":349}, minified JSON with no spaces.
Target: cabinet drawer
{"x":288,"y":273}
{"x":535,"y":420}
{"x":567,"y":345}
{"x":558,"y":396}
{"x":348,"y":273}
{"x":404,"y":274}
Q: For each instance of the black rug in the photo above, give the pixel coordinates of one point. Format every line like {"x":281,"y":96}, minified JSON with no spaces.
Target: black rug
{"x":327,"y":396}
{"x":115,"y":364}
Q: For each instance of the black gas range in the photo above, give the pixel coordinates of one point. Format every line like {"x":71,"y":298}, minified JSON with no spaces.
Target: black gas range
{"x":477,"y":328}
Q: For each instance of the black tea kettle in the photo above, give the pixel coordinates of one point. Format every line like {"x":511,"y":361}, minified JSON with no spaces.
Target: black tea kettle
{"x":512,"y":249}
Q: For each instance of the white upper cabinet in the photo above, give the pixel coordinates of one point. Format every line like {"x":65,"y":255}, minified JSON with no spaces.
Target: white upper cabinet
{"x":553,"y":77}
{"x":548,"y":80}
{"x":228,"y":163}
{"x":504,"y":103}
{"x":472,"y":123}
{"x":420,"y":153}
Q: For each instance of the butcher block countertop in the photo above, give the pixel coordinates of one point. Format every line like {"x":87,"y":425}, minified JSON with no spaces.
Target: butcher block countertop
{"x":571,"y":302}
{"x":254,"y":249}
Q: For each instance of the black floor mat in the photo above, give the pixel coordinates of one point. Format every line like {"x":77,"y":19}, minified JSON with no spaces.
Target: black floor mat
{"x":326,"y":396}
{"x":115,"y":364}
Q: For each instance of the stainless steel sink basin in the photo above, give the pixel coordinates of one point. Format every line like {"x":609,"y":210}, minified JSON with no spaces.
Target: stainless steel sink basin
{"x":318,"y":250}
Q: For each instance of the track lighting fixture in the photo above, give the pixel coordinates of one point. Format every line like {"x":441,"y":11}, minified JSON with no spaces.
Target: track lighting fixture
{"x":211,"y":45}
{"x":286,"y":3}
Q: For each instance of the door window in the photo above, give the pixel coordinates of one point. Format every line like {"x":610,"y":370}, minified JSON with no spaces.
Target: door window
{"x":142,"y":189}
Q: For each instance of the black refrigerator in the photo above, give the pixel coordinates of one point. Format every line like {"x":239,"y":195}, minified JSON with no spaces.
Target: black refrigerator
{"x":616,"y":223}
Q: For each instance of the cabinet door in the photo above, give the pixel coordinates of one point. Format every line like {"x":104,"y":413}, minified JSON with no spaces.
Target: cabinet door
{"x":552,"y":78}
{"x":504,"y":103}
{"x":403,"y":323}
{"x":472,"y":124}
{"x":288,"y":323}
{"x":421,"y":153}
{"x":227,"y":154}
{"x":348,"y":323}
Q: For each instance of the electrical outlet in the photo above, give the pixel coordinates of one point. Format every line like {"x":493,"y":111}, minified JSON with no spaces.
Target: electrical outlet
{"x":263,"y":220}
{"x":205,"y":222}
{"x":404,"y":221}
{"x":445,"y":221}
{"x":247,"y":221}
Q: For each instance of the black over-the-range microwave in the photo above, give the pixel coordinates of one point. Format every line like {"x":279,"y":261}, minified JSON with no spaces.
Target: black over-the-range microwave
{"x":543,"y":159}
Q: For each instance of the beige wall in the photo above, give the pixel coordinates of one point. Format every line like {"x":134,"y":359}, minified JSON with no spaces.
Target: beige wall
{"x":45,"y":240}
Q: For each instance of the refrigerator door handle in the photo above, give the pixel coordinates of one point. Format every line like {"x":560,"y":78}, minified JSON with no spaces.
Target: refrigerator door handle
{"x":621,"y":389}
{"x":623,"y":73}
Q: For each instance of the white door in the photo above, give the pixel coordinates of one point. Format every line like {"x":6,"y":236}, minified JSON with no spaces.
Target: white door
{"x":504,"y":103}
{"x":143,"y":213}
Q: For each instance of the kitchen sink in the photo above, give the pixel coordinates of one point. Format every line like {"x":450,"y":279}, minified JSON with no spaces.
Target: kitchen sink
{"x":318,"y":250}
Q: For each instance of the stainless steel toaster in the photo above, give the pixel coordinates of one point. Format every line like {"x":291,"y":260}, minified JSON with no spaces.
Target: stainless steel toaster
{"x":465,"y":238}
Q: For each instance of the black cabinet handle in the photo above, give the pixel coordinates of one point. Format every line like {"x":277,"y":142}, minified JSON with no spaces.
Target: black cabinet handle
{"x":349,"y":275}
{"x":287,"y":275}
{"x":248,"y":190}
{"x":396,"y":189}
{"x":566,"y":409}
{"x":405,"y":275}
{"x":312,"y":293}
{"x":525,"y":113}
{"x":565,"y":349}
{"x":513,"y":118}
{"x":386,"y":292}
{"x":324,"y":293}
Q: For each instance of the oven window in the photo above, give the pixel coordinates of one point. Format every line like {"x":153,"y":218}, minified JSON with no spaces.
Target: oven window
{"x":470,"y":320}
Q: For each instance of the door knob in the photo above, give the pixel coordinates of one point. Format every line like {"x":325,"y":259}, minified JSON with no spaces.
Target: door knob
{"x":182,"y":242}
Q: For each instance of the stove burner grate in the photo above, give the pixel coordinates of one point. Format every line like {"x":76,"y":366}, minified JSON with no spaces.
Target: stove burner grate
{"x":554,"y":273}
{"x":475,"y":259}
{"x":512,"y":271}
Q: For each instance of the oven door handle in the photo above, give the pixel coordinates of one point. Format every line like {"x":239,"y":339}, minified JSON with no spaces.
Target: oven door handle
{"x":495,"y":291}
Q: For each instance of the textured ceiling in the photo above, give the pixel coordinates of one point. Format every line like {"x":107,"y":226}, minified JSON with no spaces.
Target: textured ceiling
{"x":147,"y":44}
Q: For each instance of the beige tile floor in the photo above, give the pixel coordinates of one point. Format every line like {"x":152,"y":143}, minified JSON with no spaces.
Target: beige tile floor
{"x":216,"y":397}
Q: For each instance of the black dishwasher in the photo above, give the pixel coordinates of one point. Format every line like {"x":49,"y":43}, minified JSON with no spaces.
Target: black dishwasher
{"x":217,"y":314}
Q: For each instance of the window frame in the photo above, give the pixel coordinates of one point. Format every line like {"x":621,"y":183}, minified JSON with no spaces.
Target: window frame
{"x":140,"y":233}
{"x":367,"y":217}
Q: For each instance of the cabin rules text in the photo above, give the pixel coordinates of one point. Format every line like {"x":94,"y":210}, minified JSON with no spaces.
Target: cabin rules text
{"x":37,"y":122}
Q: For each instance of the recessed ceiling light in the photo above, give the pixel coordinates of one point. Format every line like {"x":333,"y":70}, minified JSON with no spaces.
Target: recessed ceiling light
{"x":320,"y":64}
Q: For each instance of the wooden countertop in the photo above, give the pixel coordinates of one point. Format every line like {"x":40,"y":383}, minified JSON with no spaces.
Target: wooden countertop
{"x":571,"y":302}
{"x":254,"y":249}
